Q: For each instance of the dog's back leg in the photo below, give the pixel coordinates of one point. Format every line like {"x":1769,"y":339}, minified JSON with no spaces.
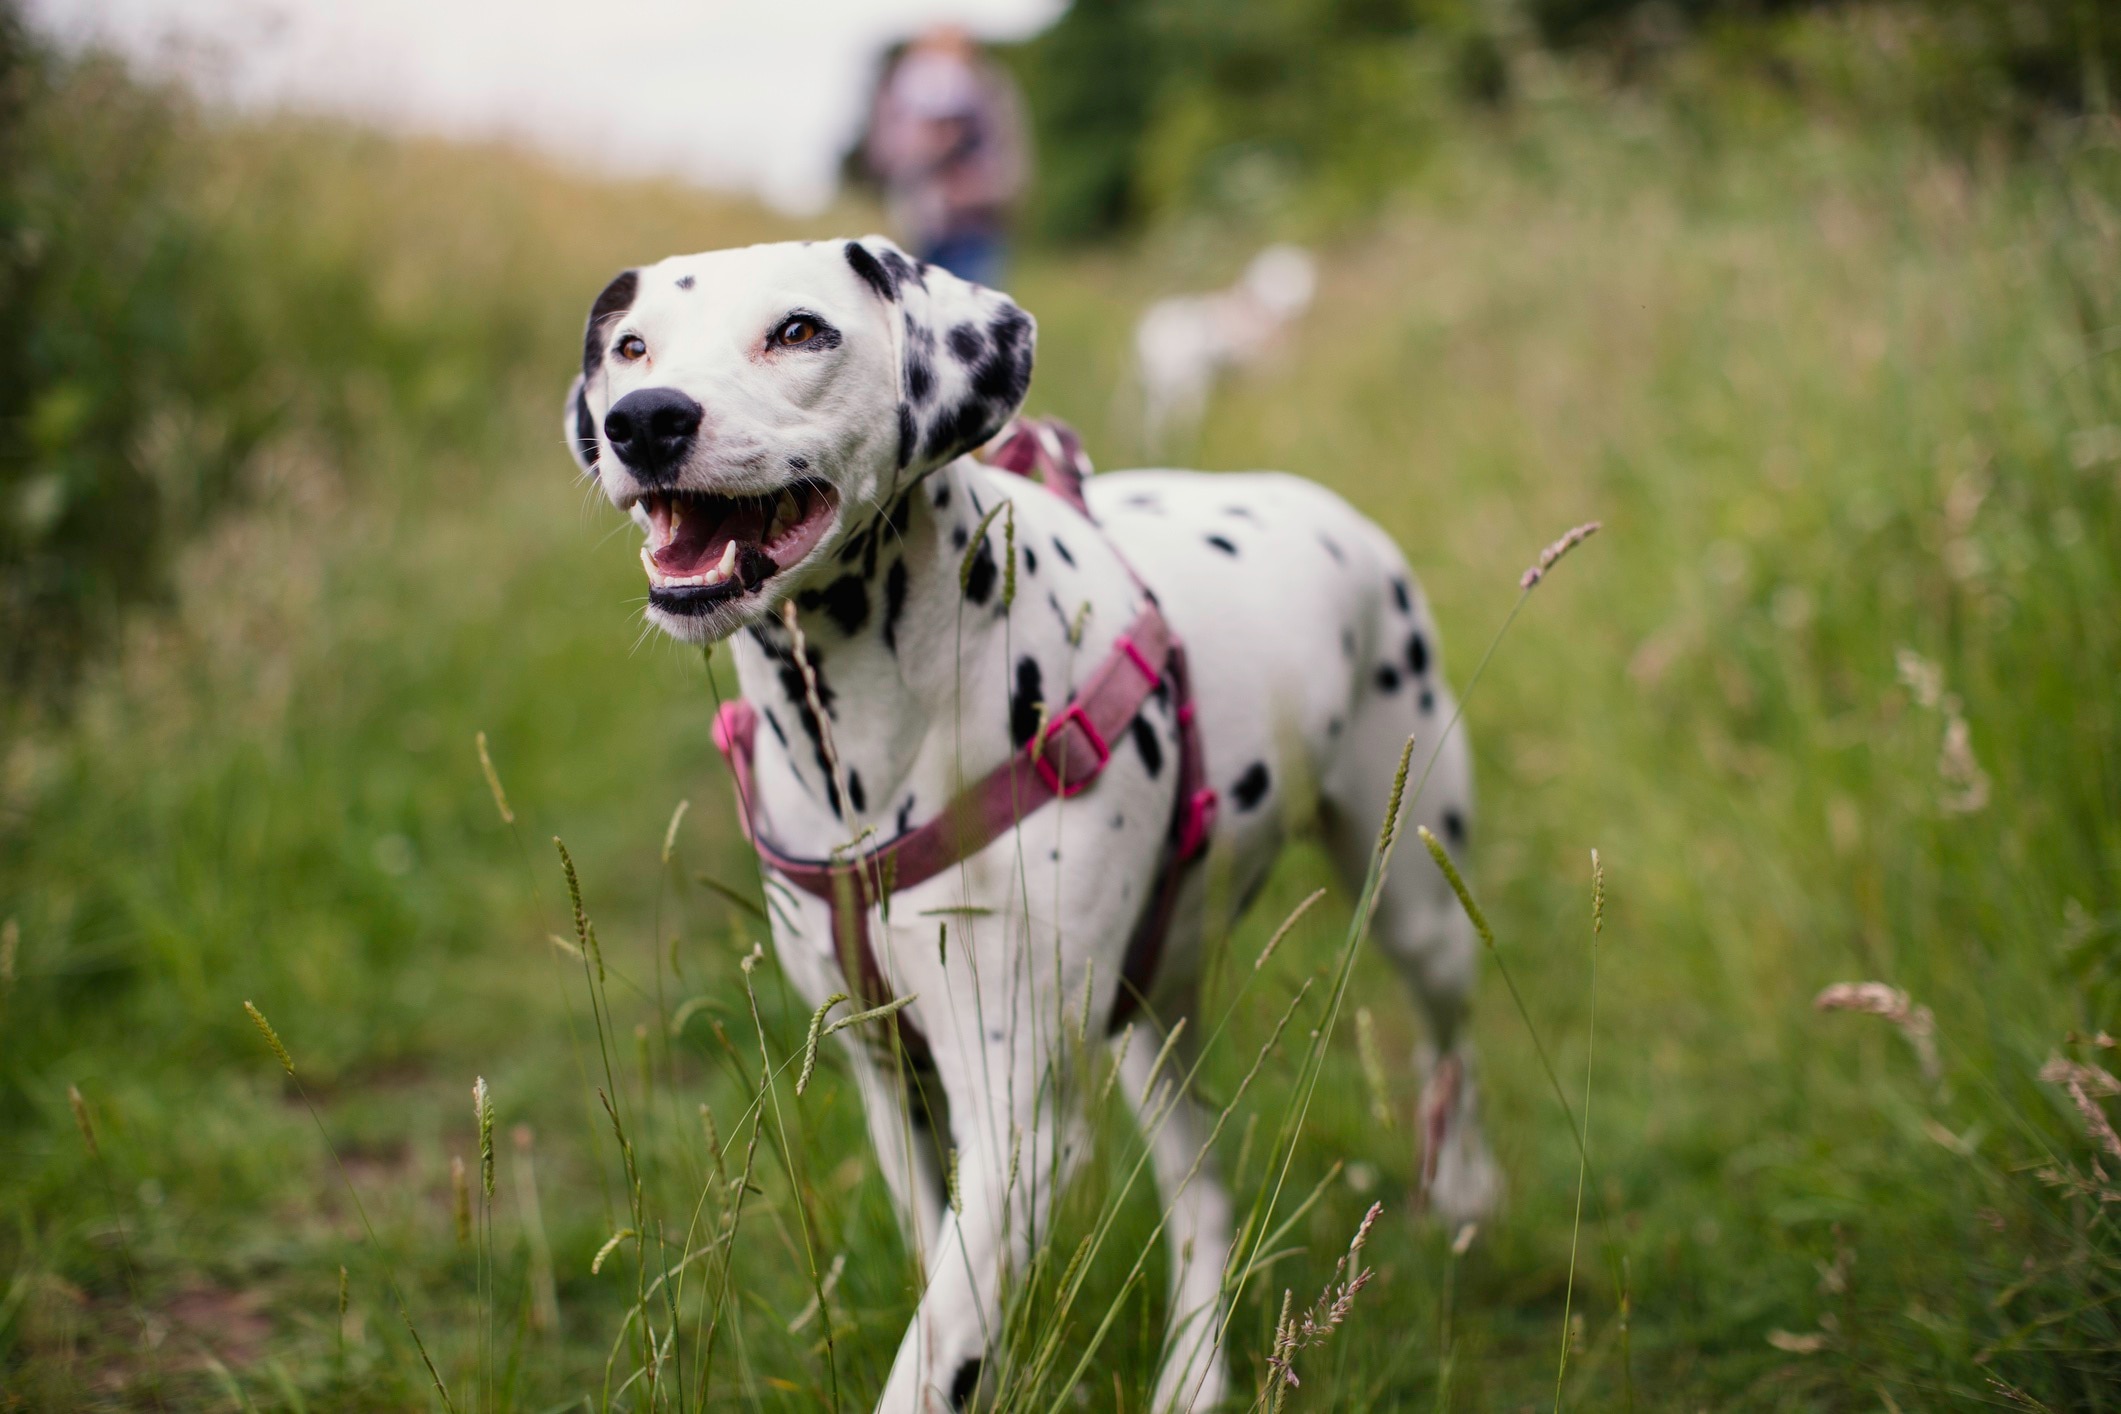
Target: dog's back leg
{"x":1419,"y":924}
{"x":1196,"y":1231}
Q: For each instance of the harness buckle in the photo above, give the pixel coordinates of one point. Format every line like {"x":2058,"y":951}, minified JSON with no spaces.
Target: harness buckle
{"x":1050,"y":773}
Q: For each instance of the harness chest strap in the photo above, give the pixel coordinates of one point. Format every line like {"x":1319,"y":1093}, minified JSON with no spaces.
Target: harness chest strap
{"x":1062,"y":761}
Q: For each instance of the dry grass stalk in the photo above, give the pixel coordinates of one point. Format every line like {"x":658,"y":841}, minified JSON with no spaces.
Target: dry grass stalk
{"x":1373,"y":1067}
{"x":544,"y":1299}
{"x":1916,"y":1023}
{"x":493,"y":783}
{"x":10,"y":944}
{"x":2084,"y":1083}
{"x":1326,"y":1314}
{"x":1553,"y":553}
{"x":670,"y":835}
{"x":1283,"y":931}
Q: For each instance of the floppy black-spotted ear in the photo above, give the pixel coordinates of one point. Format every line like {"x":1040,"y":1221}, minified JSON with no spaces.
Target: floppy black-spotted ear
{"x":579,"y":427}
{"x":966,"y":359}
{"x":578,"y":423}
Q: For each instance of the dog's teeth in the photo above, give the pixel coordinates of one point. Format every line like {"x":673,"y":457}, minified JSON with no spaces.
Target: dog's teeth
{"x":728,"y":564}
{"x":784,"y":515}
{"x":677,"y":518}
{"x":648,"y":563}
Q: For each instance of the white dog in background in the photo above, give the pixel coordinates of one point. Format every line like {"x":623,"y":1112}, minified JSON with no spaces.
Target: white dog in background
{"x":1182,"y":344}
{"x":791,"y":425}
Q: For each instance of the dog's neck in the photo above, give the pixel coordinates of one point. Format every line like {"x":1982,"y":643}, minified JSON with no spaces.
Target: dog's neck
{"x":899,"y":639}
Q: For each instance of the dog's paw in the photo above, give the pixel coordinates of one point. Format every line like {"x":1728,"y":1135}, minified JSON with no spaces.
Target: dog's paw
{"x":1460,"y":1180}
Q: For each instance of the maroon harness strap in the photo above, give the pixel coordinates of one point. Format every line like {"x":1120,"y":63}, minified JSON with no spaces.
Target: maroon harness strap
{"x":1063,"y":760}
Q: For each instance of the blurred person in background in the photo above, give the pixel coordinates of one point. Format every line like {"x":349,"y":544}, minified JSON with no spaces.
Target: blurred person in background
{"x":947,"y":141}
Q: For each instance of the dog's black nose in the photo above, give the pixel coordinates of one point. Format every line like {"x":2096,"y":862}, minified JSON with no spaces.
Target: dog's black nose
{"x":652,"y":431}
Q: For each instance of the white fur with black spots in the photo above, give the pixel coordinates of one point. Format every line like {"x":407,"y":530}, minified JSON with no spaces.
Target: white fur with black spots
{"x":788,"y":424}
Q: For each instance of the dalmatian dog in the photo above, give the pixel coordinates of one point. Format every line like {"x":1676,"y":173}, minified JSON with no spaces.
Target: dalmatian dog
{"x":1184,"y":343}
{"x":790,"y":425}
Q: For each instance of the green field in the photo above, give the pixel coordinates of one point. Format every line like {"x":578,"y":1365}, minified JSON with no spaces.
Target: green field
{"x":1836,"y":695}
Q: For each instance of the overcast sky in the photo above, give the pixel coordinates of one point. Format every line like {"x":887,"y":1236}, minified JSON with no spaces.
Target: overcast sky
{"x":759,"y":96}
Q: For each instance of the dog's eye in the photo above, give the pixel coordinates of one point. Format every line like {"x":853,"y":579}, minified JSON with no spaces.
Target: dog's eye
{"x":632,"y":347}
{"x":798,"y":330}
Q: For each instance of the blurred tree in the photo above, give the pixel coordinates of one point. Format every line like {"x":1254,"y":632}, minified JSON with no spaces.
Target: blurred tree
{"x":1149,"y":106}
{"x":107,"y":290}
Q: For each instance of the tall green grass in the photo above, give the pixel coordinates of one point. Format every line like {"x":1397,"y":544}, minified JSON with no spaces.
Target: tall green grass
{"x":1835,"y":396}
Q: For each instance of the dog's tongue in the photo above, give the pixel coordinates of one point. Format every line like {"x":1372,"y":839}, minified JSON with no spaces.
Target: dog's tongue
{"x":693,"y":538}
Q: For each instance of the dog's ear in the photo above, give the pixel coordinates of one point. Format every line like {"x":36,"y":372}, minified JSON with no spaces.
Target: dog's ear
{"x":966,"y":360}
{"x":577,"y":423}
{"x":579,"y":428}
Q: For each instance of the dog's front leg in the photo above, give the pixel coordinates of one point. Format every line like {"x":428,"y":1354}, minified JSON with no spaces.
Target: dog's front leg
{"x":906,"y":1150}
{"x":1004,"y":1122}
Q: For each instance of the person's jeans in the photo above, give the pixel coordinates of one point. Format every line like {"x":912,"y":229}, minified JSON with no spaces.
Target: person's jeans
{"x":978,"y":256}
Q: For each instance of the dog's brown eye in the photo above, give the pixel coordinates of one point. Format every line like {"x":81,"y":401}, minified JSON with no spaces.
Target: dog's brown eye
{"x":796,"y":331}
{"x":633,"y":347}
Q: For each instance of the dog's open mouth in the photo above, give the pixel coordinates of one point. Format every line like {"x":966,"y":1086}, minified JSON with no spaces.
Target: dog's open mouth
{"x":705,"y":549}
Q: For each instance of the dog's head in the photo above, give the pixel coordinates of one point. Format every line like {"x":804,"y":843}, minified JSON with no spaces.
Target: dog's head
{"x":752,"y":409}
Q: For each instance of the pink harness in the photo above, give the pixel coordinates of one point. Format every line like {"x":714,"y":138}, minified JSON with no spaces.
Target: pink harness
{"x":1061,"y":762}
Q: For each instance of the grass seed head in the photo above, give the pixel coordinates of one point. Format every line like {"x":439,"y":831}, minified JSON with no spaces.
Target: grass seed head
{"x":482,"y":1109}
{"x":1549,"y":556}
{"x":493,"y":783}
{"x":272,"y":1038}
{"x":10,"y":944}
{"x":80,"y":1109}
{"x":1458,"y":886}
{"x":1597,"y":894}
{"x":611,"y":1243}
{"x":1916,"y":1023}
{"x":817,"y":1024}
{"x":670,"y":834}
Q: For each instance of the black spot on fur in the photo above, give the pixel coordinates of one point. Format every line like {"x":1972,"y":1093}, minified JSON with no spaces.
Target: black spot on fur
{"x":1146,"y":743}
{"x":873,"y":274}
{"x":1251,"y":787}
{"x":1119,"y":822}
{"x":854,"y":790}
{"x":1333,"y":727}
{"x":979,"y":585}
{"x":967,"y":342}
{"x":1222,"y":544}
{"x":894,"y":602}
{"x":1387,"y":678}
{"x":1347,"y":642}
{"x":942,"y":493}
{"x":1417,"y":654}
{"x":775,"y":723}
{"x":845,"y":601}
{"x":1143,"y":501}
{"x":799,"y":463}
{"x":1340,"y":556}
{"x":959,"y":536}
{"x":1454,"y":827}
{"x":920,"y":378}
{"x":1401,"y":597}
{"x":1024,"y":703}
{"x":791,"y":681}
{"x":1030,"y":560}
{"x":616,"y":298}
{"x":1241,"y":512}
{"x":1428,"y":700}
{"x":905,"y":817}
{"x":908,"y":436}
{"x":903,"y":271}
{"x":960,"y":429}
{"x":684,"y":282}
{"x":1062,"y":551}
{"x":965,"y":1383}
